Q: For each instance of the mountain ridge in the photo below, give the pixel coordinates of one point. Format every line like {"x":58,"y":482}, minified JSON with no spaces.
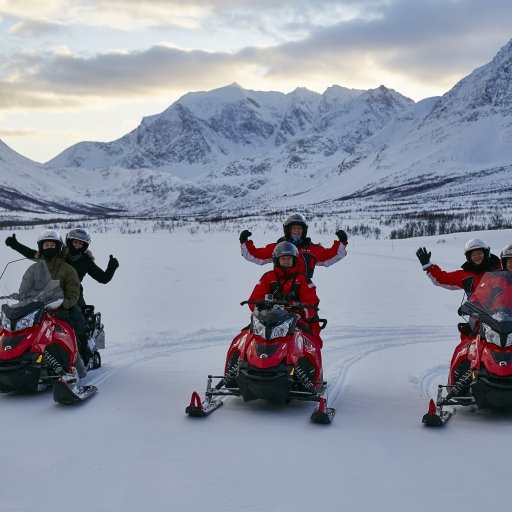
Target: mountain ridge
{"x":233,"y":150}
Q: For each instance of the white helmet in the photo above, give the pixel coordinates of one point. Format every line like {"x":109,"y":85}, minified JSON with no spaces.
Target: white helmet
{"x":49,"y":235}
{"x":506,"y":253}
{"x":476,"y":243}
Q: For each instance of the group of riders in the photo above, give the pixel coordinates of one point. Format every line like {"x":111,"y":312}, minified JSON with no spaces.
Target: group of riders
{"x":294,"y":257}
{"x":68,"y":262}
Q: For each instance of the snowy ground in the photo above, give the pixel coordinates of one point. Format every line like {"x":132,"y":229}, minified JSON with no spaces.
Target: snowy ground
{"x":170,"y":313}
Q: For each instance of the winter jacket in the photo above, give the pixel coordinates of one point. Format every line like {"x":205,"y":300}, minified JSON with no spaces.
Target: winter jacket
{"x":310,"y":254}
{"x":288,"y":285}
{"x":466,"y":279}
{"x":495,"y":293}
{"x":83,"y":264}
{"x":60,"y":271}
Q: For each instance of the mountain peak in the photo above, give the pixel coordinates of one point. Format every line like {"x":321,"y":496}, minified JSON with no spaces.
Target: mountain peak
{"x":486,"y":91}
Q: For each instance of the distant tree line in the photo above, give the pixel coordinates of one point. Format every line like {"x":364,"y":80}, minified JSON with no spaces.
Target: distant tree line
{"x":429,"y":224}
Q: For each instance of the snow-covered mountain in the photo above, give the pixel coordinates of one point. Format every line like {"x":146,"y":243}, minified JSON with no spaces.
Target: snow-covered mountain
{"x":32,"y":189}
{"x":214,"y":130}
{"x":233,"y":151}
{"x":462,"y":136}
{"x":452,"y":152}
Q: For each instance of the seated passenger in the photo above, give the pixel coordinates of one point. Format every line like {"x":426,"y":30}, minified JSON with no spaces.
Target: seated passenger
{"x":286,"y":283}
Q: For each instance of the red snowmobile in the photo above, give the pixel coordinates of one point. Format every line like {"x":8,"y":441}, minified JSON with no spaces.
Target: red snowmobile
{"x":481,"y":370}
{"x":275,"y":358}
{"x":37,"y":350}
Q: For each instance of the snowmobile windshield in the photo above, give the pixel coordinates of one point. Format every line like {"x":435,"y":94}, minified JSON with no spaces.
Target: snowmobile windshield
{"x":37,"y":291}
{"x":272,"y":316}
{"x":491,"y":302}
{"x":37,"y":285}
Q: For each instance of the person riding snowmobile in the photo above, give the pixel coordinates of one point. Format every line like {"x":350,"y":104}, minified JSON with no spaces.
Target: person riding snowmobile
{"x":295,"y":230}
{"x":78,"y":255}
{"x":286,"y":283}
{"x":50,"y":246}
{"x":479,"y":260}
{"x":506,"y":258}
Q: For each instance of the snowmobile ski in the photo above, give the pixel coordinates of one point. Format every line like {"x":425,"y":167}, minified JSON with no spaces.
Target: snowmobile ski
{"x":323,"y":414}
{"x":435,"y":416}
{"x":198,"y":409}
{"x":64,"y":393}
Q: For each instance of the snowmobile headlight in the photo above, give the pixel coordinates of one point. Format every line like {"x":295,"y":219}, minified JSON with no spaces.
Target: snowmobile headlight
{"x":493,"y":337}
{"x":26,"y":321}
{"x":268,"y":332}
{"x":257,"y":327}
{"x":281,"y":330}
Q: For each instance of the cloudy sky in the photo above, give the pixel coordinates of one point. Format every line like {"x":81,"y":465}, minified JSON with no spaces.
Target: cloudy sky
{"x":74,"y":70}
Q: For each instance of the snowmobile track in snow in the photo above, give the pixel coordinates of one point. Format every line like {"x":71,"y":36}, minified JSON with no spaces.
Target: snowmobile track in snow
{"x":343,"y":348}
{"x":339,"y":357}
{"x":116,"y":361}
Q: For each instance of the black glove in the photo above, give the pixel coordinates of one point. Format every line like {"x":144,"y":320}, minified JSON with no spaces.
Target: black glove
{"x":423,"y":255}
{"x":244,"y":236}
{"x":113,"y":263}
{"x":342,"y":236}
{"x":11,"y":241}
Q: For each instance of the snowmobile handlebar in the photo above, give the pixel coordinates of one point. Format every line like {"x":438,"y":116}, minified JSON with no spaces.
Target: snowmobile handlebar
{"x":269,"y":303}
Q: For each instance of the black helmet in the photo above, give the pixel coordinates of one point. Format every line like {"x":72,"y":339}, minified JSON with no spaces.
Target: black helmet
{"x":284,"y":249}
{"x":298,"y":219}
{"x":506,"y":253}
{"x":78,"y":234}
